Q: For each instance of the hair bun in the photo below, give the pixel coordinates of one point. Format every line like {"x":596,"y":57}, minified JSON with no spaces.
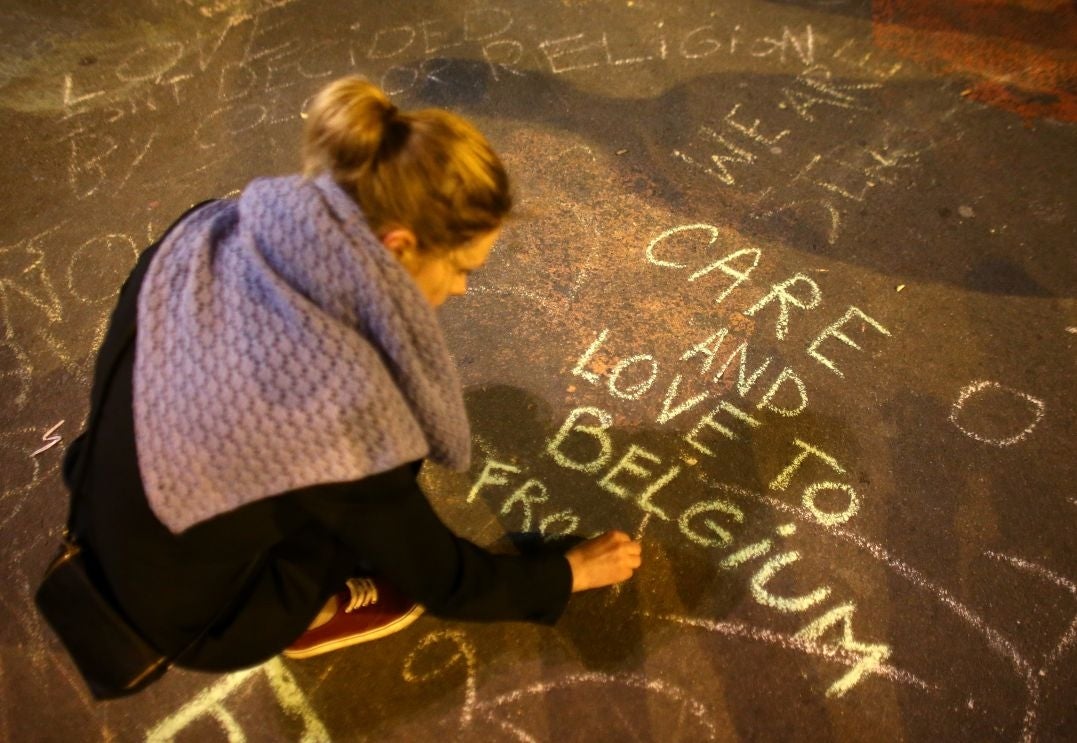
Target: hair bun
{"x":347,"y":124}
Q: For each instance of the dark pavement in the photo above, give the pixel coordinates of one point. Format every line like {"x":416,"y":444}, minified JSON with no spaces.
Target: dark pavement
{"x":790,"y":295}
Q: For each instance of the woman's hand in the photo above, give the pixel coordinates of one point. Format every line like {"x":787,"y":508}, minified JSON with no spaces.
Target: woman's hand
{"x":603,"y":561}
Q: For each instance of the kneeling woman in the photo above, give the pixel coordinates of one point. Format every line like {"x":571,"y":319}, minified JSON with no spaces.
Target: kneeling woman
{"x":256,"y":442}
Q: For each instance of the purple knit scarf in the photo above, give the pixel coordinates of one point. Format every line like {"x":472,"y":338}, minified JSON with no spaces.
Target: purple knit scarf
{"x":280,"y":345}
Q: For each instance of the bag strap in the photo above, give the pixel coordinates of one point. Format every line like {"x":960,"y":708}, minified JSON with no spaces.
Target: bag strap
{"x":93,"y":419}
{"x":102,"y":386}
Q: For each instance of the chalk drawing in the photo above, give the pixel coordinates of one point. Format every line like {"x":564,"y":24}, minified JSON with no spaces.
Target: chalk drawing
{"x":1036,"y":677}
{"x":782,"y":480}
{"x":594,"y":251}
{"x":720,"y":536}
{"x":784,"y":604}
{"x":85,"y":172}
{"x":396,"y":40}
{"x":527,"y":495}
{"x":731,"y":155}
{"x":138,"y":159}
{"x":20,"y":473}
{"x":781,"y":293}
{"x":814,"y":87}
{"x":744,"y":383}
{"x":605,"y":420}
{"x":16,"y":372}
{"x":862,"y":62}
{"x":1037,"y":570}
{"x":676,"y":230}
{"x":745,"y":554}
{"x":488,"y":475}
{"x":872,"y":655}
{"x":661,"y":689}
{"x":643,"y":523}
{"x":709,"y":421}
{"x":94,"y":252}
{"x":708,"y":349}
{"x":975,"y":388}
{"x":670,"y":411}
{"x":723,"y":264}
{"x":210,"y":703}
{"x":803,"y":46}
{"x":998,"y":642}
{"x":50,"y":440}
{"x":787,"y":375}
{"x":830,"y":518}
{"x":637,"y":390}
{"x":752,"y":131}
{"x":463,"y":655}
{"x":150,"y":62}
{"x":437,"y":39}
{"x":834,"y":331}
{"x":801,"y":644}
{"x":476,"y":18}
{"x":248,"y":116}
{"x":700,"y":48}
{"x":832,"y":215}
{"x":630,"y":463}
{"x":71,"y":100}
{"x":503,"y":56}
{"x":569,"y":523}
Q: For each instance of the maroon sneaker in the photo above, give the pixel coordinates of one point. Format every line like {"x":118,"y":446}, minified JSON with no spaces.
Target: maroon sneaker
{"x":368,"y":608}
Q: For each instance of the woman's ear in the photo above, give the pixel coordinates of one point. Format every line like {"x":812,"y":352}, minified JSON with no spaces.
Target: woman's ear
{"x":401,"y":242}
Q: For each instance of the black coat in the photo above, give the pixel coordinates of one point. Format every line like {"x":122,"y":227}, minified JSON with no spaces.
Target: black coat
{"x":307,"y":541}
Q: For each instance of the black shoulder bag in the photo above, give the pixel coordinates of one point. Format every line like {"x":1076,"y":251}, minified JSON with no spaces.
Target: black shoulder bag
{"x":112,"y":656}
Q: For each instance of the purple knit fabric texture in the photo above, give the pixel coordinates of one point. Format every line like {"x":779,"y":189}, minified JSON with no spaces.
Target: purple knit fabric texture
{"x":280,"y":345}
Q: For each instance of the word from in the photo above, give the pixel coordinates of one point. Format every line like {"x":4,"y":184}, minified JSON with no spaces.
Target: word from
{"x":210,"y":703}
{"x":976,"y":388}
{"x":49,"y":439}
{"x":529,"y":495}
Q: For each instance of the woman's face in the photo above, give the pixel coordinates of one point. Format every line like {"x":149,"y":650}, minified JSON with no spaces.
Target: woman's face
{"x":443,"y":275}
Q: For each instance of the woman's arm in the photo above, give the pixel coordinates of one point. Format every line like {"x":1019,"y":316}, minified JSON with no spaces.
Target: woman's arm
{"x":387,"y":520}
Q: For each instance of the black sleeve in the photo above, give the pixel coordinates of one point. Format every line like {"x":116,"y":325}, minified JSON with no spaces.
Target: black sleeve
{"x":388,"y":521}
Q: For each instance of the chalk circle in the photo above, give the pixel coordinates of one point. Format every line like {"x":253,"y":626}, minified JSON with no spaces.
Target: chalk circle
{"x":831,"y":518}
{"x":994,"y":438}
{"x":460,"y":654}
{"x":94,"y":271}
{"x":397,"y":74}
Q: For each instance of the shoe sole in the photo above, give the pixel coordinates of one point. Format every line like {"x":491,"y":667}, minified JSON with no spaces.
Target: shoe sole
{"x":342,"y":642}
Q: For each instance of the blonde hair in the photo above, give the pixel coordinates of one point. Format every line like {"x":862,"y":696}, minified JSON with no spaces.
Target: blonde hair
{"x":427,"y":170}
